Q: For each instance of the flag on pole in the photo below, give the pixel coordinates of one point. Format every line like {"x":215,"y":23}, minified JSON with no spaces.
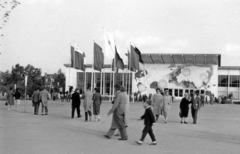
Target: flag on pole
{"x":129,"y":61}
{"x":98,"y":60}
{"x":72,"y":56}
{"x":134,"y":59}
{"x":109,"y":51}
{"x":77,"y":58}
{"x":141,"y":63}
{"x":119,"y":62}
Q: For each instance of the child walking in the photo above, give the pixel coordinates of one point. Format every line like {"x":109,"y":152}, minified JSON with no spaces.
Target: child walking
{"x":149,"y":119}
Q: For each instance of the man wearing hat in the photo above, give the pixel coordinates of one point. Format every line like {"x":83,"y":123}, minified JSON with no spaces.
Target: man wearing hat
{"x":120,"y":110}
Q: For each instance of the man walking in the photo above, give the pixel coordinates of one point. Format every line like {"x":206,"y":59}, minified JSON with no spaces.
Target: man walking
{"x":120,"y":111}
{"x":44,"y":96}
{"x":195,"y":107}
{"x":76,"y":102}
{"x":36,"y":100}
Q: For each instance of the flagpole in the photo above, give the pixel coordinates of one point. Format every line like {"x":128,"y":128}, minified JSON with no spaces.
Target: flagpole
{"x":110,"y":88}
{"x":92,"y":69}
{"x":69,"y":67}
{"x":101,"y":83}
{"x":130,"y":73}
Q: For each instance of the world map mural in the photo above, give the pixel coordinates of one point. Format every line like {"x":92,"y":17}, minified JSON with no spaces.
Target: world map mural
{"x":173,"y":76}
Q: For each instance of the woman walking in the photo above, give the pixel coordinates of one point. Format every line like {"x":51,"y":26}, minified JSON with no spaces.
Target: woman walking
{"x":10,"y":99}
{"x":17,"y":96}
{"x":184,"y":108}
{"x":157,"y":100}
{"x":167,"y":101}
{"x":97,"y":101}
{"x":87,"y":104}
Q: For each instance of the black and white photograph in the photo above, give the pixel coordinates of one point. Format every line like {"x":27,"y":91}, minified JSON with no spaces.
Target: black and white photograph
{"x":119,"y":76}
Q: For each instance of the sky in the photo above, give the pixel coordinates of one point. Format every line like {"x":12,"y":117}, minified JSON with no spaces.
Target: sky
{"x":39,"y":32}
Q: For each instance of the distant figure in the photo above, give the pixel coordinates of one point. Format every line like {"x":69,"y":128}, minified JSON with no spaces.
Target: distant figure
{"x":144,"y":98}
{"x":184,"y":108}
{"x":36,"y":100}
{"x":167,"y":101}
{"x":10,"y":98}
{"x":17,"y":96}
{"x":195,"y":101}
{"x":87,"y":104}
{"x":44,"y":96}
{"x":76,"y":102}
{"x":97,"y":101}
{"x":157,"y":101}
{"x":149,"y":119}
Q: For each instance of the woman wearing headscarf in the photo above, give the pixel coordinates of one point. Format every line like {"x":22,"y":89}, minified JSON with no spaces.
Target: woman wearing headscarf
{"x":184,"y":108}
{"x":97,"y":101}
{"x":157,"y":100}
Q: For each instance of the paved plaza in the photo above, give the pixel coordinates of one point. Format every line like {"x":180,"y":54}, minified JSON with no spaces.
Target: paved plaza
{"x":217,"y":132}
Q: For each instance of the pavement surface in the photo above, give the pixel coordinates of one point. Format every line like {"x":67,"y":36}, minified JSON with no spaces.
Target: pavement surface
{"x":217,"y":131}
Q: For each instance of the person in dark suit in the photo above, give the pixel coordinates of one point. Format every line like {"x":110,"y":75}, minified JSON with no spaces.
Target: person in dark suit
{"x":149,"y":119}
{"x":76,"y":101}
{"x":36,"y":100}
{"x":196,"y":102}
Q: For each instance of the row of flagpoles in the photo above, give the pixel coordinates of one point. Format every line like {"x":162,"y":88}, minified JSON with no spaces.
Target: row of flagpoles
{"x":135,"y":62}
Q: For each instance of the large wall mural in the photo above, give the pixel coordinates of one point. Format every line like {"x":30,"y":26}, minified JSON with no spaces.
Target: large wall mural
{"x":175,"y":76}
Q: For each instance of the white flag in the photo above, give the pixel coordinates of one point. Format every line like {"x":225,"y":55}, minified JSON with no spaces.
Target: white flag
{"x":109,"y":51}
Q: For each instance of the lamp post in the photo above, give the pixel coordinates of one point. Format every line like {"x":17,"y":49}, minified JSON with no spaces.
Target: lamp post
{"x":26,"y":78}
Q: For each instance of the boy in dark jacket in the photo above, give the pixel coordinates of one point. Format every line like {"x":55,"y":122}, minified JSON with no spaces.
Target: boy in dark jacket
{"x":149,"y":119}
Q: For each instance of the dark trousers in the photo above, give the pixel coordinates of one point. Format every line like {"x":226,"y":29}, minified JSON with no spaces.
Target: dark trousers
{"x":78,"y":110}
{"x":86,"y":115}
{"x":36,"y":107}
{"x":148,"y":129}
{"x":194,"y":115}
{"x":44,"y":108}
{"x":123,"y":132}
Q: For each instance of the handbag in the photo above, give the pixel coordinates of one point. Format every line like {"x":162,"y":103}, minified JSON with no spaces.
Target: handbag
{"x":6,"y":103}
{"x":180,"y":114}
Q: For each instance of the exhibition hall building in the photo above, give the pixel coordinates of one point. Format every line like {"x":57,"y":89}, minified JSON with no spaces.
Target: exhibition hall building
{"x":179,"y":73}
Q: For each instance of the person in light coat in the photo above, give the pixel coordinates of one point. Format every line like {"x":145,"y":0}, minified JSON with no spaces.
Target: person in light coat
{"x":167,"y":101}
{"x":87,"y":104}
{"x":120,"y":111}
{"x":44,"y":96}
{"x":157,"y":100}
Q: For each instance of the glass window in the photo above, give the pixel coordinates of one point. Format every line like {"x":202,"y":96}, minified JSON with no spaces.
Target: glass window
{"x":107,"y":83}
{"x":222,"y":81}
{"x":176,"y":92}
{"x":234,"y":81}
{"x":180,"y":93}
{"x":170,"y":91}
{"x":88,"y":79}
{"x":80,"y":81}
{"x":202,"y":92}
{"x":186,"y":91}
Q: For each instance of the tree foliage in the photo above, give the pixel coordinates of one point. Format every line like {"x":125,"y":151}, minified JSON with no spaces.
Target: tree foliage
{"x":35,"y":79}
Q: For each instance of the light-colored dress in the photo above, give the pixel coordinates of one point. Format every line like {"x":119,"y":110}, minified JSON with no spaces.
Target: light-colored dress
{"x":87,"y":103}
{"x":167,"y":101}
{"x":97,"y":100}
{"x":157,"y":100}
{"x":10,"y":97}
